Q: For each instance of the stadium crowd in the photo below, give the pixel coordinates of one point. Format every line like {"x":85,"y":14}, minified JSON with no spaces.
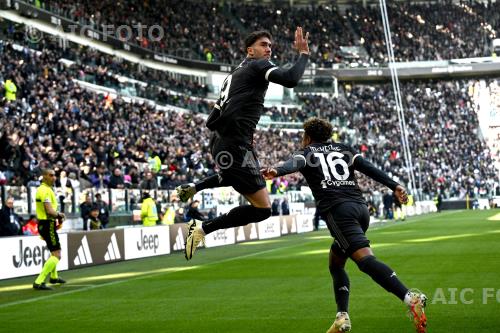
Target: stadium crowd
{"x":431,"y":31}
{"x":447,"y":151}
{"x":96,"y":67}
{"x":106,"y":142}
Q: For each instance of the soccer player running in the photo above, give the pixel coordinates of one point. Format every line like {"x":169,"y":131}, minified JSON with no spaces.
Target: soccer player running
{"x":48,"y":222}
{"x":329,"y":169}
{"x":232,"y":123}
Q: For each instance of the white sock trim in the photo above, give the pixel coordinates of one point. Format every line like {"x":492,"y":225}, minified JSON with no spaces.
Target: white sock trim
{"x":408,"y":298}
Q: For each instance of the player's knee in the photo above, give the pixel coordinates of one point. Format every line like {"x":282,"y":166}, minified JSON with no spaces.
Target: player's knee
{"x":365,"y":263}
{"x":335,"y":267}
{"x":261,"y":213}
{"x":336,"y":262}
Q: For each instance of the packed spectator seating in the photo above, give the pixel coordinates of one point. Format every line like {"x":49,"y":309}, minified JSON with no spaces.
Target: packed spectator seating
{"x":327,"y":28}
{"x":185,"y":25}
{"x":103,"y":141}
{"x":443,"y":128}
{"x":106,"y":70}
{"x":429,"y":31}
{"x":55,"y":121}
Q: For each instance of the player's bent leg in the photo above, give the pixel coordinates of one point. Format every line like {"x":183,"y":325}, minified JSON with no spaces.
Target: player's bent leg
{"x":259,"y":210}
{"x":386,"y":277}
{"x":259,"y":199}
{"x":379,"y":272}
{"x":236,"y":217}
{"x":187,"y":191}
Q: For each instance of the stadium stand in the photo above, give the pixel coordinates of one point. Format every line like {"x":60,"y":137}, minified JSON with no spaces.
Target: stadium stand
{"x":373,"y":124}
{"x":191,"y":36}
{"x":429,"y":31}
{"x":55,"y":120}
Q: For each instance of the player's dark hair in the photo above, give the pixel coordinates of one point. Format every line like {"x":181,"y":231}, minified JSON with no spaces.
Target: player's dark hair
{"x":250,"y":39}
{"x":319,"y":130}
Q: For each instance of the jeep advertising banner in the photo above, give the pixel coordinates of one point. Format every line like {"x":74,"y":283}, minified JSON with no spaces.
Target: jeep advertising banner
{"x":26,"y":255}
{"x":95,"y":247}
{"x":269,"y":228}
{"x":146,"y":242}
{"x":220,"y":237}
{"x":246,"y":233}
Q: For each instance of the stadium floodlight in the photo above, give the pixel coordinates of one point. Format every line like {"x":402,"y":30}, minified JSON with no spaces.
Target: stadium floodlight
{"x":399,"y":104}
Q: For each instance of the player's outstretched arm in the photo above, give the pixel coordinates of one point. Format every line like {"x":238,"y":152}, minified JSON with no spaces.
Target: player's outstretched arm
{"x":269,"y":173}
{"x":301,"y":43}
{"x":294,"y":164}
{"x":291,"y":77}
{"x":378,"y":175}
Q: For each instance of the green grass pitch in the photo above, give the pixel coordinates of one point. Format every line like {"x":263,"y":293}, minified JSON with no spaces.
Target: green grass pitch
{"x":278,"y":285}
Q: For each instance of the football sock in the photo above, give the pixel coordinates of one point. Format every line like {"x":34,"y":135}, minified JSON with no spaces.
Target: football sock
{"x":53,"y":273}
{"x":340,"y":287}
{"x":48,"y":267}
{"x":407,"y":298}
{"x":383,"y":275}
{"x":236,"y":217}
{"x":209,"y":182}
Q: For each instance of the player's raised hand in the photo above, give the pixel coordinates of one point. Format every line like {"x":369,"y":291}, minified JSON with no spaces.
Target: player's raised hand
{"x":301,"y":43}
{"x":268,"y":173}
{"x":401,"y":194}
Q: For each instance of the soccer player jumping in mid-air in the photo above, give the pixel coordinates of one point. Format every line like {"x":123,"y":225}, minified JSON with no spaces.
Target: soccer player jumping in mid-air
{"x":329,"y":169}
{"x":232,"y":124}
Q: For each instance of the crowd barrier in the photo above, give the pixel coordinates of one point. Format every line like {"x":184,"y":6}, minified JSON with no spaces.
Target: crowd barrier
{"x":25,"y":255}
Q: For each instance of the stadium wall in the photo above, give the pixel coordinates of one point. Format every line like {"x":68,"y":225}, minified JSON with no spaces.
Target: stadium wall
{"x":25,"y":255}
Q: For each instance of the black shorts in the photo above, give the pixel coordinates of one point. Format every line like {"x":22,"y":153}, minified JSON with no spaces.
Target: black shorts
{"x":238,"y":164}
{"x":348,"y":223}
{"x":47,"y":229}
